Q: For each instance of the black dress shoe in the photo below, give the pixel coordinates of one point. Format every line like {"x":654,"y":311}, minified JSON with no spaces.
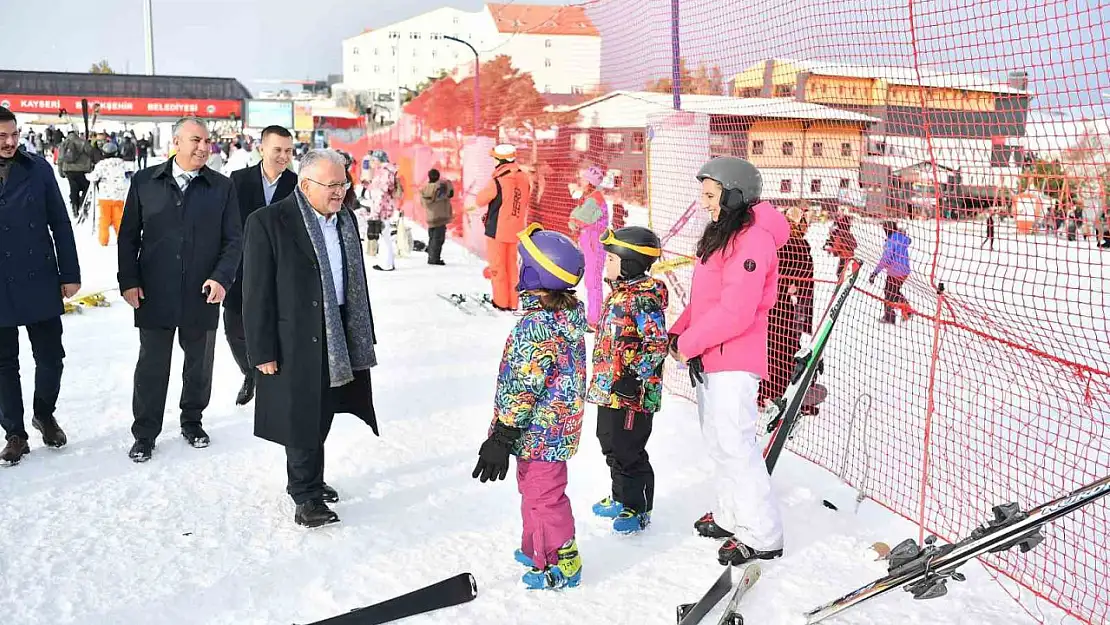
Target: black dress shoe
{"x":195,"y":435}
{"x":246,"y":392}
{"x":314,"y":514}
{"x":329,"y":494}
{"x":141,"y":450}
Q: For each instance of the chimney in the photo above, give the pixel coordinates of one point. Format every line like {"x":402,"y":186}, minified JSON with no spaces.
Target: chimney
{"x":1019,"y":80}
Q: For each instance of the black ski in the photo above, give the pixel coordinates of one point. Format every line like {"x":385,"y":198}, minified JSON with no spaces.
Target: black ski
{"x":925,"y":571}
{"x":690,"y":613}
{"x":808,"y":364}
{"x":450,"y":592}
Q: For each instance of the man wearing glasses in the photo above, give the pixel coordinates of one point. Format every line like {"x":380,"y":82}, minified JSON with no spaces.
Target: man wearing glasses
{"x":179,"y":249}
{"x":309,"y":327}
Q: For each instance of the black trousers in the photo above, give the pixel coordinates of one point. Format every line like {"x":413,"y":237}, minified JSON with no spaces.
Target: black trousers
{"x":436,"y":238}
{"x":624,"y":447}
{"x":305,"y":465}
{"x":892,"y":294}
{"x":78,"y":186}
{"x":237,"y":339}
{"x":46,"y":345}
{"x":152,"y":377}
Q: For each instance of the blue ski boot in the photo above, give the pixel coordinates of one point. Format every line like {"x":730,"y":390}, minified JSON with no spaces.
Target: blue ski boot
{"x":567,"y":573}
{"x":522,"y":558}
{"x":607,"y":508}
{"x":630,"y":522}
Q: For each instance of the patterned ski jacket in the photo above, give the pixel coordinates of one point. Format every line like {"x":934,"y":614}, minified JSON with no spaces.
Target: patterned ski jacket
{"x":384,"y":192}
{"x":541,"y":384}
{"x":632,"y":338}
{"x":111,"y":176}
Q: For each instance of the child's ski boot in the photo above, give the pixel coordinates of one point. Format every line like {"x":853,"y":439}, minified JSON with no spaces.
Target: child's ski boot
{"x":708,"y":528}
{"x":630,"y":522}
{"x":607,"y":508}
{"x":735,"y":553}
{"x":522,"y":557}
{"x":567,"y":573}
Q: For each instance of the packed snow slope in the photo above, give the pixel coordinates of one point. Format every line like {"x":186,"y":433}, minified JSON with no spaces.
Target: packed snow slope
{"x":207,"y":536}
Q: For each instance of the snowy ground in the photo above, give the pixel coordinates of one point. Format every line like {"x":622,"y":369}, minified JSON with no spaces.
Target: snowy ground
{"x":206,"y":536}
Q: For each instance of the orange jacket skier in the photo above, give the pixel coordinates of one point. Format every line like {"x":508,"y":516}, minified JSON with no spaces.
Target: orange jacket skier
{"x":507,"y":197}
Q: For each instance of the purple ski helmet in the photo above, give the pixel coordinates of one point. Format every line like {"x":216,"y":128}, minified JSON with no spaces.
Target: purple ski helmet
{"x":548,"y":260}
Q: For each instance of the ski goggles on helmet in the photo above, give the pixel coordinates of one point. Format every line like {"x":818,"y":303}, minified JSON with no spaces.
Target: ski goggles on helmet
{"x":609,"y":238}
{"x":537,"y":255}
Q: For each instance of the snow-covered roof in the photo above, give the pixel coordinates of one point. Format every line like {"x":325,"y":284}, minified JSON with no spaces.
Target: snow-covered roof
{"x":905,"y":76}
{"x":640,"y":103}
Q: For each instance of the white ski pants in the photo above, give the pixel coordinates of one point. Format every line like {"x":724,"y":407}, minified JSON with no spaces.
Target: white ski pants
{"x":746,"y":505}
{"x":385,"y":246}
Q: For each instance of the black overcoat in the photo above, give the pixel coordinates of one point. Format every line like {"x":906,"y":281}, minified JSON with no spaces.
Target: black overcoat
{"x":248,"y":188}
{"x":283,"y":317}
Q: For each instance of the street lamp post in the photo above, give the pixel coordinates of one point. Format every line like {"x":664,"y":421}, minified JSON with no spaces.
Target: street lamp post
{"x":477,"y":85}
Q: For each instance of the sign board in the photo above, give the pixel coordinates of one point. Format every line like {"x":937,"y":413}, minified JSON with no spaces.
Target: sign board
{"x":262,"y":113}
{"x":302,"y":116}
{"x":123,"y":107}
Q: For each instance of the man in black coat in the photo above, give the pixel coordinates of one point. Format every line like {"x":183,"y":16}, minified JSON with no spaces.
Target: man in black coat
{"x":38,"y":267}
{"x":257,"y":186}
{"x":179,"y":246}
{"x":310,"y":331}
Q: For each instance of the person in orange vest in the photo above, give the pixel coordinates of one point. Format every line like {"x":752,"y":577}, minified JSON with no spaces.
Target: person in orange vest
{"x":507,"y":197}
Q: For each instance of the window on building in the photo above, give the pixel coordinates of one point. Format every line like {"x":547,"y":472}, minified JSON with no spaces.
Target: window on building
{"x":815,"y":185}
{"x":638,"y":141}
{"x":788,"y":148}
{"x":718,"y":145}
{"x":547,"y":62}
{"x":845,"y":149}
{"x":547,"y":88}
{"x":377,"y":69}
{"x":818,"y":149}
{"x":375,"y":52}
{"x":876,"y":148}
{"x":844,"y":183}
{"x":576,"y":90}
{"x":581,"y":142}
{"x":434,"y":53}
{"x":356,"y":69}
{"x":547,"y":43}
{"x":614,"y":140}
{"x":394,"y":35}
{"x":786,"y":186}
{"x":784,"y":91}
{"x":354,"y":50}
{"x":757,"y":147}
{"x":455,"y":20}
{"x":414,"y":51}
{"x":749,"y":92}
{"x":637,"y":179}
{"x":824,"y":88}
{"x":394,"y":49}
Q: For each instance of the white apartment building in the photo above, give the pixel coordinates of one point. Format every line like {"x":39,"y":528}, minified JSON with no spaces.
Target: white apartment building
{"x":557,"y":45}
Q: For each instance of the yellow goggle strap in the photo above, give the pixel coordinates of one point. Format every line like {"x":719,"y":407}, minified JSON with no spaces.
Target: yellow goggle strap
{"x":525,"y":237}
{"x":610,"y":239}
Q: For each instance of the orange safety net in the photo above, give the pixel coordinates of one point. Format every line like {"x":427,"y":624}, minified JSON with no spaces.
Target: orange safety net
{"x":978,"y":129}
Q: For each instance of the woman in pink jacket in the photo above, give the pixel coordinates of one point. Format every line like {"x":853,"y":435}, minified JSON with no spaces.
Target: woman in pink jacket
{"x":722,"y":336}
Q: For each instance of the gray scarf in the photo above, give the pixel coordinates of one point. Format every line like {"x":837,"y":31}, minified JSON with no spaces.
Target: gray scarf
{"x":350,"y":345}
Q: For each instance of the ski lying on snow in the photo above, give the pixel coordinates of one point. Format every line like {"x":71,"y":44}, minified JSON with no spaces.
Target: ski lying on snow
{"x":691,"y":613}
{"x":925,"y":571}
{"x":750,"y":576}
{"x":808,"y":364}
{"x":447,"y":593}
{"x":471,"y":303}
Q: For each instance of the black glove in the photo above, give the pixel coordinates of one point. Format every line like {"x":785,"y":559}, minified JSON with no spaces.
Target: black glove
{"x":695,"y":369}
{"x":493,"y":455}
{"x":628,"y":387}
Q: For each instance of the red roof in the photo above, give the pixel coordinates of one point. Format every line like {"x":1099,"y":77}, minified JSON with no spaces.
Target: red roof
{"x":538,"y":19}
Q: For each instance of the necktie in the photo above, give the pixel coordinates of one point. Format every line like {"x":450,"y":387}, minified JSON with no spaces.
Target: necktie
{"x":185,"y":178}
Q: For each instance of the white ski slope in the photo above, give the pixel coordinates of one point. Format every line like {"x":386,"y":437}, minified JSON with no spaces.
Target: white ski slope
{"x":207,"y":537}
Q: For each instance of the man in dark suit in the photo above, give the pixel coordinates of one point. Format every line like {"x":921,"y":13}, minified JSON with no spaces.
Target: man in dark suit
{"x":38,"y":267}
{"x":257,"y":186}
{"x":310,"y":330}
{"x":179,"y":246}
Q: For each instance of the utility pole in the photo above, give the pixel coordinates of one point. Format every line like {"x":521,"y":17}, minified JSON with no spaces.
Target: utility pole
{"x":148,"y":31}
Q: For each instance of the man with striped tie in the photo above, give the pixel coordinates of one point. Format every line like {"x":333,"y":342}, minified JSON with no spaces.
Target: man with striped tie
{"x":179,"y":249}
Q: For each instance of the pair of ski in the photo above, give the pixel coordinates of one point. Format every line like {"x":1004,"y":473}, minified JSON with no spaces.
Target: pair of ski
{"x":471,"y":303}
{"x":691,"y":613}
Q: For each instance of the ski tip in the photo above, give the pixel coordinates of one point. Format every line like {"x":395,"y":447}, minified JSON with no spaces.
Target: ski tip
{"x":473,"y":585}
{"x":751,"y":573}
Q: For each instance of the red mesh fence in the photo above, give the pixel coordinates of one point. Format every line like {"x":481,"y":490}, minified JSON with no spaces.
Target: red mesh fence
{"x":977,"y":129}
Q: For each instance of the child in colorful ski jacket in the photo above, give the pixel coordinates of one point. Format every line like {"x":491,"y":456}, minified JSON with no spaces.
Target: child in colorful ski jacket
{"x":627,"y":383}
{"x":538,"y":405}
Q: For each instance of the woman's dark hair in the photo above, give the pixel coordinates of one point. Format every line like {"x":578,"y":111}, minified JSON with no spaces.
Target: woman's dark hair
{"x":557,"y":300}
{"x":350,"y":199}
{"x":433,"y":175}
{"x":718,"y":234}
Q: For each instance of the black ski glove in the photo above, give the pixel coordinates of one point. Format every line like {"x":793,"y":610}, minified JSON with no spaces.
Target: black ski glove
{"x":696,"y":371}
{"x":493,"y":455}
{"x":627,"y":387}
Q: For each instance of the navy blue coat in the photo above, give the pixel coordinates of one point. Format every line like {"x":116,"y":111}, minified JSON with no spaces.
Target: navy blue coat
{"x":170,"y":243}
{"x":37,"y":253}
